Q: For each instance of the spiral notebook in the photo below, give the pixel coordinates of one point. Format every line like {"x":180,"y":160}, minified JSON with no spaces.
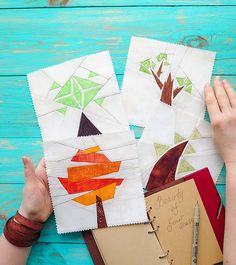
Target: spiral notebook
{"x":167,"y":237}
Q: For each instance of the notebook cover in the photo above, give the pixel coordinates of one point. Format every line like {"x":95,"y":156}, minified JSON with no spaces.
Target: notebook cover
{"x":210,"y":199}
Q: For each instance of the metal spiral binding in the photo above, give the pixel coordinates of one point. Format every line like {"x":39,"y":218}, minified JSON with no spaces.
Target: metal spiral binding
{"x":149,"y":209}
{"x":165,"y":256}
{"x":152,"y":220}
{"x":154,"y":230}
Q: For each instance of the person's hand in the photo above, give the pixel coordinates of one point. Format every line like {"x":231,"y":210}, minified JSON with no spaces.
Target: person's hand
{"x":36,"y":204}
{"x":54,"y":2}
{"x":221,"y":105}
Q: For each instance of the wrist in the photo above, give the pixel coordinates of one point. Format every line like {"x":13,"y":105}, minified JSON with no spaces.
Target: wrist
{"x":32,"y":216}
{"x":22,"y":232}
{"x":230,"y":165}
{"x":231,"y":175}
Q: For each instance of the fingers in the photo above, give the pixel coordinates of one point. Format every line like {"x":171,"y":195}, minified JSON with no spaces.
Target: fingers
{"x":41,"y":171}
{"x":52,"y":2}
{"x":64,"y":2}
{"x":28,"y":169}
{"x":42,"y":164}
{"x":221,"y":95}
{"x":211,"y":102}
{"x":230,"y":93}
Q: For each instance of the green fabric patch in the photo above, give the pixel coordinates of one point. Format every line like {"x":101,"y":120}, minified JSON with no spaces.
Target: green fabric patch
{"x":77,"y":92}
{"x":178,"y":138}
{"x":160,"y":148}
{"x":85,"y":83}
{"x":89,"y":95}
{"x":92,"y":74}
{"x":65,"y":90}
{"x":145,"y":66}
{"x":185,"y":81}
{"x":55,"y":85}
{"x":189,"y":149}
{"x":196,"y":134}
{"x":99,"y":101}
{"x":188,"y":89}
{"x":153,"y":65}
{"x":69,"y":101}
{"x":144,"y":70}
{"x":180,"y":80}
{"x":185,"y":167}
{"x":62,"y":110}
{"x":162,"y":57}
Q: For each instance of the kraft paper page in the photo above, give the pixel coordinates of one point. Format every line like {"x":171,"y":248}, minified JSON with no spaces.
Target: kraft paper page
{"x":173,"y":209}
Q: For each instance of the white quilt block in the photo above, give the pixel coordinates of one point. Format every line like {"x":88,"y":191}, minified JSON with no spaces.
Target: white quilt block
{"x":95,"y":181}
{"x":172,"y":73}
{"x":80,"y":97}
{"x":175,"y":143}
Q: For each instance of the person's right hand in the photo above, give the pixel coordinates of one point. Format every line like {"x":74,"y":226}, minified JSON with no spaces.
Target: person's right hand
{"x":221,"y":105}
{"x":36,"y":204}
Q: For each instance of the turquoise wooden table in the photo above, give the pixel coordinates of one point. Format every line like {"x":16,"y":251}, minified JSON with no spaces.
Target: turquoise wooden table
{"x":34,"y":35}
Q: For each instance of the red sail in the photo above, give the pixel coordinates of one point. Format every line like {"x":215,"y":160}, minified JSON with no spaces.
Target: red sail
{"x":164,"y":169}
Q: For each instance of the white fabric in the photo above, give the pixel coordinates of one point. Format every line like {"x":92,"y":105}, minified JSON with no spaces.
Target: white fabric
{"x":163,"y":123}
{"x":127,"y":206}
{"x":139,"y":89}
{"x":57,"y":125}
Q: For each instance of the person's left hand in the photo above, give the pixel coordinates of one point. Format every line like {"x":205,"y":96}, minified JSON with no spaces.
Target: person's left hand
{"x":36,"y":204}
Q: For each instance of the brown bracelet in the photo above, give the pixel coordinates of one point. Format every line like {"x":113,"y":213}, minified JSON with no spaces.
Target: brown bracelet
{"x":22,"y":232}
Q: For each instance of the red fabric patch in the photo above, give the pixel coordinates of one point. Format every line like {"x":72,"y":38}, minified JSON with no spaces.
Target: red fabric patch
{"x":90,"y":184}
{"x":92,"y":157}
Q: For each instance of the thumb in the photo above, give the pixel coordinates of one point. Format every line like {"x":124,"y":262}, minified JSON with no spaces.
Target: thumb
{"x":28,"y":169}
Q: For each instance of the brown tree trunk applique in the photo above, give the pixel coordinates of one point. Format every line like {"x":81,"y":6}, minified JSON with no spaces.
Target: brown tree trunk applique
{"x":101,"y":219}
{"x":177,"y":90}
{"x":157,"y":75}
{"x":168,"y":93}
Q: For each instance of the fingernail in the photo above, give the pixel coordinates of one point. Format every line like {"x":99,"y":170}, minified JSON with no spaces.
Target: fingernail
{"x":217,"y":78}
{"x":225,"y":81}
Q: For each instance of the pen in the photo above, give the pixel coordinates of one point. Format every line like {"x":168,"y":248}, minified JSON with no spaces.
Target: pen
{"x":196,"y":221}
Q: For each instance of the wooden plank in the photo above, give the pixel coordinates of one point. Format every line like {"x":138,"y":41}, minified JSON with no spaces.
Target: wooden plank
{"x":85,"y":3}
{"x":11,"y":202}
{"x":60,"y":254}
{"x":11,"y":151}
{"x":16,"y":110}
{"x":32,"y":40}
